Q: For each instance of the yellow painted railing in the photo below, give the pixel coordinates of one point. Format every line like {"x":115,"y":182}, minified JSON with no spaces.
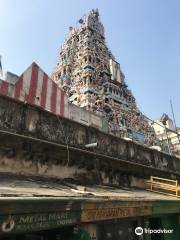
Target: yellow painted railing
{"x":163,"y":185}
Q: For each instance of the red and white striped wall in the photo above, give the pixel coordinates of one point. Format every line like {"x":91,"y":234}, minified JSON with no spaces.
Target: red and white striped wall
{"x":35,"y":87}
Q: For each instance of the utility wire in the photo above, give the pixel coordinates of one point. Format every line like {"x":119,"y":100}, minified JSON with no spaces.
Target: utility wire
{"x":66,"y":139}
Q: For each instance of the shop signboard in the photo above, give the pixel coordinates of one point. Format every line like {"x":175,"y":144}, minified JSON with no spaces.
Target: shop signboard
{"x":91,"y":215}
{"x":39,"y":221}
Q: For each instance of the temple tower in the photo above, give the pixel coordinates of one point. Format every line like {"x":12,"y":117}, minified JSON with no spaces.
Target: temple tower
{"x":87,"y":71}
{"x":92,"y":78}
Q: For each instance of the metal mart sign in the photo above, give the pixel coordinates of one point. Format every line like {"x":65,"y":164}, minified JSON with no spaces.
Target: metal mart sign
{"x":114,"y":213}
{"x":36,"y":222}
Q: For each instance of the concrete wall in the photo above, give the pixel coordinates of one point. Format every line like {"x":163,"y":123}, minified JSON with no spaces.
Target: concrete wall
{"x":19,"y":165}
{"x":11,"y":77}
{"x":113,"y":156}
{"x":83,"y":116}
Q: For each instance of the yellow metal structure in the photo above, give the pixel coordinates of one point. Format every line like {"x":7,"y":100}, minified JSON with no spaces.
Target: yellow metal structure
{"x":164,"y":186}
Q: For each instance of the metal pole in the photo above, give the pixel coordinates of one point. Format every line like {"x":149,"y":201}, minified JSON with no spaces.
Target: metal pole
{"x":173,"y":114}
{"x":167,"y":140}
{"x":174,"y":120}
{"x":1,"y":70}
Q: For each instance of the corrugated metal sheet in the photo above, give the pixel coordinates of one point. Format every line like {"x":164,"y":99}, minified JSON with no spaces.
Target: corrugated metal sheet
{"x":37,"y":88}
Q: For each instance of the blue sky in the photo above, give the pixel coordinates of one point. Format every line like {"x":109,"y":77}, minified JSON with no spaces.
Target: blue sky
{"x":144,"y":36}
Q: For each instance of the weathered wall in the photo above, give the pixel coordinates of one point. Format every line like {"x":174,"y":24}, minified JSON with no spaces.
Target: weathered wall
{"x":113,"y":156}
{"x":138,"y":182}
{"x":83,"y":116}
{"x":19,"y":165}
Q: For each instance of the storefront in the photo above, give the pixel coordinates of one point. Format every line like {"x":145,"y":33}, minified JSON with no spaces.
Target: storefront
{"x":115,"y":220}
{"x":156,"y":220}
{"x":88,"y":219}
{"x":63,"y":233}
{"x":118,"y":230}
{"x":162,"y":227}
{"x":39,"y":219}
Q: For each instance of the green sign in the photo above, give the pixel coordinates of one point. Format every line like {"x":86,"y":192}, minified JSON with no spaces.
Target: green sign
{"x":35,"y":222}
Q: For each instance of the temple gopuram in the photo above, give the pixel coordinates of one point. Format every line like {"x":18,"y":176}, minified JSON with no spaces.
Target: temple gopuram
{"x":92,"y":78}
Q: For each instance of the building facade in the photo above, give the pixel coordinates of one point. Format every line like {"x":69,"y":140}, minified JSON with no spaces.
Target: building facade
{"x":168,"y":135}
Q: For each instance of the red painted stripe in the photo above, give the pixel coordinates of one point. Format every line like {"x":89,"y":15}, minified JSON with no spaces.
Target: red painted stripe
{"x":18,"y":87}
{"x":30,"y":98}
{"x":44,"y":90}
{"x":53,"y":97}
{"x":62,"y":104}
{"x":4,"y":88}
